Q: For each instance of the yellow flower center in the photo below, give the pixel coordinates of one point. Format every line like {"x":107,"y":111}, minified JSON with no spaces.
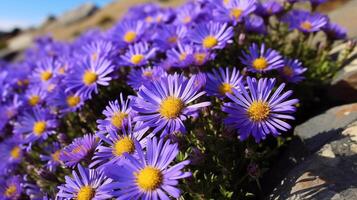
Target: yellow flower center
{"x":10,"y":191}
{"x":46,"y":75}
{"x":306,"y":25}
{"x":62,"y":70}
{"x":34,"y":100}
{"x":51,"y":87}
{"x":171,"y":107}
{"x":226,"y":1}
{"x":129,"y":36}
{"x":260,"y":63}
{"x":183,"y":56}
{"x":288,"y":71}
{"x":200,"y":58}
{"x":118,"y":118}
{"x":77,"y":149}
{"x":124,"y":145}
{"x":147,"y":73}
{"x":209,"y":42}
{"x":15,"y":152}
{"x":258,"y":111}
{"x":136,"y":59}
{"x":236,"y":13}
{"x":56,"y":156}
{"x":73,"y":100}
{"x":187,"y":19}
{"x":149,"y":178}
{"x":85,"y":193}
{"x":89,"y":77}
{"x":172,"y":39}
{"x":149,"y":19}
{"x":225,"y":88}
{"x":39,"y":127}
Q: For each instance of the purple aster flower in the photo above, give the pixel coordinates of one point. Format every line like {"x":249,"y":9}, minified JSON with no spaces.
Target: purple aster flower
{"x":187,"y":13}
{"x":234,"y":10}
{"x":35,"y":96}
{"x":292,"y":70}
{"x":10,"y":110}
{"x":80,"y":149}
{"x":169,"y":35}
{"x":164,"y":104}
{"x":258,"y":111}
{"x":202,"y":55}
{"x":138,"y":54}
{"x":268,"y":8}
{"x":97,"y":49}
{"x":127,"y":32}
{"x":53,"y":158}
{"x":66,"y":101}
{"x":182,"y":56}
{"x":255,"y":24}
{"x":10,"y":189}
{"x":223,"y":81}
{"x":10,"y":153}
{"x":212,"y":35}
{"x":45,"y":71}
{"x":115,"y":144}
{"x":334,"y":31}
{"x":261,"y":59}
{"x":305,"y":21}
{"x":36,"y":124}
{"x":117,"y":115}
{"x":141,"y":76}
{"x":315,"y":3}
{"x":88,"y":74}
{"x":151,"y":176}
{"x":85,"y":184}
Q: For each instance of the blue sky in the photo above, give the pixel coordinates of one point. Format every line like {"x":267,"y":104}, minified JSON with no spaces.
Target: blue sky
{"x":25,"y":13}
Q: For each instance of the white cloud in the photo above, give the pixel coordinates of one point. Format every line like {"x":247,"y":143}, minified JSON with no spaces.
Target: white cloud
{"x":9,"y":24}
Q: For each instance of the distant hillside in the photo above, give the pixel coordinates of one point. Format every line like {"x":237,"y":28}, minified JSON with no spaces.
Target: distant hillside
{"x":104,"y":18}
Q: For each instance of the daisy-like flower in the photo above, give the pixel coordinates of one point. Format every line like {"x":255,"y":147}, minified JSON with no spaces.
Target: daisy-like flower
{"x":258,"y":111}
{"x":35,"y":96}
{"x":305,"y":21}
{"x":292,"y":70}
{"x":115,"y":144}
{"x":268,"y":8}
{"x":141,"y":76}
{"x":235,"y":10}
{"x":223,"y":81}
{"x":187,"y":13}
{"x":201,"y":55}
{"x":182,"y":56}
{"x":36,"y":124}
{"x":117,"y":114}
{"x":97,"y":49}
{"x":80,"y":149}
{"x":66,"y":101}
{"x":212,"y":35}
{"x":127,"y":32}
{"x":9,"y":110}
{"x":86,"y":76}
{"x":10,"y":153}
{"x":169,"y":36}
{"x":53,"y":159}
{"x":46,"y":70}
{"x":10,"y":188}
{"x":261,"y":59}
{"x":165,"y":104}
{"x":151,"y":176}
{"x":86,"y":184}
{"x":334,"y":31}
{"x":255,"y":24}
{"x":138,"y":54}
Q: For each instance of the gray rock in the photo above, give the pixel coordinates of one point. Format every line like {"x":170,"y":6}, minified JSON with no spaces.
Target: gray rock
{"x":330,"y":173}
{"x":318,"y":130}
{"x":77,"y":14}
{"x":344,"y":16}
{"x":20,"y":42}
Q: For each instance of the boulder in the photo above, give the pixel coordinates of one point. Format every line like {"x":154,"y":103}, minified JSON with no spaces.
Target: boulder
{"x":330,"y":173}
{"x":20,"y":42}
{"x":77,"y":14}
{"x":320,"y":129}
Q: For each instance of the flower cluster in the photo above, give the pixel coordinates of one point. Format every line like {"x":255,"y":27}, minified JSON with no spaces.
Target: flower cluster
{"x":163,"y":74}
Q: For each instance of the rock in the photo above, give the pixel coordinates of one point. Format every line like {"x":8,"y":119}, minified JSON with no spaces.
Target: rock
{"x":347,"y":11}
{"x":77,"y":14}
{"x":330,"y":173}
{"x":20,"y":42}
{"x":318,"y":130}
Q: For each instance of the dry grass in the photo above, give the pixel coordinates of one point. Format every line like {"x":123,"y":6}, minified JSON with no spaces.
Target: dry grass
{"x":104,"y":18}
{"x":331,"y":5}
